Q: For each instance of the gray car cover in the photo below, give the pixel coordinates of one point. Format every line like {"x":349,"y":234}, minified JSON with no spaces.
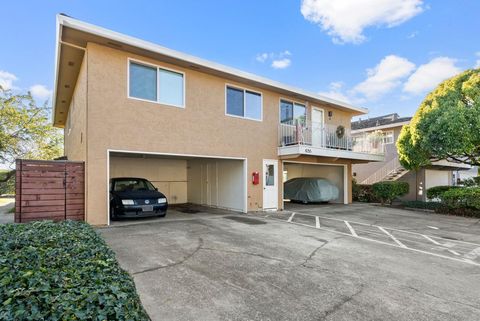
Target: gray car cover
{"x":310,"y":189}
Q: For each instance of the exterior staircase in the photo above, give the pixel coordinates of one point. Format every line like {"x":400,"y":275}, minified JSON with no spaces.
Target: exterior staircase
{"x":391,"y":171}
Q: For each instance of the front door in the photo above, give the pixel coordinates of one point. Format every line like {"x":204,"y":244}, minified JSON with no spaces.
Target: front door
{"x":270,"y":184}
{"x":318,"y":127}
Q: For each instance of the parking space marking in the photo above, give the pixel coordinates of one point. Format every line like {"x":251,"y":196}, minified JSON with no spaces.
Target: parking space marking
{"x":431,"y":240}
{"x":291,"y":217}
{"x":392,"y":237}
{"x":462,"y":251}
{"x":454,"y":252}
{"x":352,"y":231}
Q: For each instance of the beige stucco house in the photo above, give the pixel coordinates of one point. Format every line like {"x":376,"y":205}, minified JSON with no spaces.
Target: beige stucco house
{"x":388,"y":127}
{"x":200,"y":131}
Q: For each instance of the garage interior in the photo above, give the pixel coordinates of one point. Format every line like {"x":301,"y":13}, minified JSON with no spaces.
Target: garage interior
{"x":214,"y":182}
{"x":333,"y":173}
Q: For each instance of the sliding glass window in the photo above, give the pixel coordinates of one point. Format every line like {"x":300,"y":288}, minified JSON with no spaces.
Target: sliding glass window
{"x":243,"y":103}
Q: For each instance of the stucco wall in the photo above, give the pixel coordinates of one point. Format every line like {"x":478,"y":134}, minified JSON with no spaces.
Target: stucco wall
{"x":363,"y":171}
{"x":201,"y":128}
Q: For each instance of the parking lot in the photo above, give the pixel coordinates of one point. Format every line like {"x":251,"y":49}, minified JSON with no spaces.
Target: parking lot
{"x":227,"y":266}
{"x":376,"y":224}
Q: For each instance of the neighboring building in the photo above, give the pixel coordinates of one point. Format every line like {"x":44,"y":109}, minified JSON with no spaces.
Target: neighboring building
{"x":200,"y":131}
{"x":388,"y":127}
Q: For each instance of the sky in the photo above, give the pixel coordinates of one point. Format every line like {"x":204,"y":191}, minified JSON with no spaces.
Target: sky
{"x":385,"y":55}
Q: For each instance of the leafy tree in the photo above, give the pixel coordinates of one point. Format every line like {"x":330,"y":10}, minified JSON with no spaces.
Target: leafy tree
{"x":446,"y":126}
{"x":25,"y":131}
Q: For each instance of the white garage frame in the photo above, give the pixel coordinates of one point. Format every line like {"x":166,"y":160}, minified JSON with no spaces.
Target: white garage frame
{"x":345,"y":177}
{"x":244,"y":159}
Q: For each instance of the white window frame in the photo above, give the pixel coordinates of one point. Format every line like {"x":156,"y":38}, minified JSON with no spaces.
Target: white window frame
{"x":158,"y":67}
{"x":244,"y":101}
{"x":387,"y":134}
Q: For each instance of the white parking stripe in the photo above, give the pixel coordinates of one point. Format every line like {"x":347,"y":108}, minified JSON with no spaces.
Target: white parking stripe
{"x":317,"y":222}
{"x":431,"y":240}
{"x":390,"y":228}
{"x":291,"y":217}
{"x":454,"y":252}
{"x":351,"y":228}
{"x":384,"y":243}
{"x":392,"y":237}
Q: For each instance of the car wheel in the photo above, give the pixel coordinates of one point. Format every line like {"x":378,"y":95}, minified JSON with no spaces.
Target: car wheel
{"x":112,"y":212}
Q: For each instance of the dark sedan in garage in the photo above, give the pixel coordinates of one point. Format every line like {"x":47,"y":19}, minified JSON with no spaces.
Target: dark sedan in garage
{"x":132,"y":197}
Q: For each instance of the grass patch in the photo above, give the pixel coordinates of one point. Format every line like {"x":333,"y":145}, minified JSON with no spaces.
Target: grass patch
{"x":62,"y":271}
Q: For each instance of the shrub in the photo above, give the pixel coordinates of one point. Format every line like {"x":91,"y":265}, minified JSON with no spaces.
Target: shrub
{"x":423,"y":205}
{"x":363,"y":193}
{"x":467,"y":199}
{"x":7,"y":187}
{"x":471,"y":182}
{"x":436,"y":192}
{"x":389,"y":190}
{"x":62,"y":271}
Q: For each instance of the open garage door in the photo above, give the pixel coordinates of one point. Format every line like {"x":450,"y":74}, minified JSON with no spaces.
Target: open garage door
{"x":335,"y":174}
{"x":212,"y":181}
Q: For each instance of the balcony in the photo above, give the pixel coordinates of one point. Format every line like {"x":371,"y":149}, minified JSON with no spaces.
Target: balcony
{"x":328,"y":140}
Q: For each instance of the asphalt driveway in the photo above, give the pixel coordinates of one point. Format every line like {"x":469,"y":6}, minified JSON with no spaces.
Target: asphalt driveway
{"x":264,"y":267}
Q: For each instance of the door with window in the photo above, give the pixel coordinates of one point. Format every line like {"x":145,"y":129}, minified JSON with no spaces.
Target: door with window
{"x":270,"y":184}
{"x":318,"y":127}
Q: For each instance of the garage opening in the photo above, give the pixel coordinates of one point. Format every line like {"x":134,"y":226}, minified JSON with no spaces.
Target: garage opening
{"x":209,"y":181}
{"x":334,"y":174}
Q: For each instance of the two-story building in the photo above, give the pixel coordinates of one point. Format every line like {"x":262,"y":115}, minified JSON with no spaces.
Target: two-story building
{"x":200,"y":131}
{"x":388,"y":128}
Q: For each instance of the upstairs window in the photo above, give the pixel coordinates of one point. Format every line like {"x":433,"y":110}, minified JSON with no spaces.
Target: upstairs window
{"x":243,"y":103}
{"x":292,"y":113}
{"x":156,"y":84}
{"x":388,"y":137}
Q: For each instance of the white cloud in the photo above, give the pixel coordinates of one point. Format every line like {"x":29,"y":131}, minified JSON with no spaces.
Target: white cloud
{"x":429,"y":75}
{"x":336,"y":92}
{"x":345,"y":20}
{"x":384,"y":77}
{"x":40,"y":92}
{"x":281,"y":63}
{"x":279,"y":60}
{"x":7,"y":79}
{"x":477,"y":63}
{"x":262,"y":57}
{"x":412,"y":35}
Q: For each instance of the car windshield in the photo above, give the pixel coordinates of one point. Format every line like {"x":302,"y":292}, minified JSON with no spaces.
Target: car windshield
{"x":132,"y":184}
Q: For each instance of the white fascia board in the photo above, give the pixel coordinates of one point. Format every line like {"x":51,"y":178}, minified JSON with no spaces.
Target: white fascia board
{"x":57,"y":63}
{"x":326,"y":152}
{"x":135,"y":42}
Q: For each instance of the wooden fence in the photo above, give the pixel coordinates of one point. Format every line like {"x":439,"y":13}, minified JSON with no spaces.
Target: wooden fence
{"x":49,"y":190}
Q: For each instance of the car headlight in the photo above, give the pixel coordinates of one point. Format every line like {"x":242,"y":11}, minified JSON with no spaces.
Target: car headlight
{"x":162,"y":200}
{"x":128,"y":202}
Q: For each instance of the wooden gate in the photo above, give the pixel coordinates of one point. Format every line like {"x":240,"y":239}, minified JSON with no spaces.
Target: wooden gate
{"x":49,"y":190}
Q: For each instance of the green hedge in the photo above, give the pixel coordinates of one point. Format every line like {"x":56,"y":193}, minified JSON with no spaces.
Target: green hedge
{"x":62,"y":271}
{"x":462,"y":198}
{"x":423,"y":205}
{"x":363,"y":193}
{"x":387,"y":191}
{"x":437,"y":191}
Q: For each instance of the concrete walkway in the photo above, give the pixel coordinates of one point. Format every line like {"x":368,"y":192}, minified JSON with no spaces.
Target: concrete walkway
{"x":6,"y":204}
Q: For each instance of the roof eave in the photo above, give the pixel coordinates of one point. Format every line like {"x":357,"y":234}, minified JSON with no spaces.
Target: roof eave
{"x":145,"y":45}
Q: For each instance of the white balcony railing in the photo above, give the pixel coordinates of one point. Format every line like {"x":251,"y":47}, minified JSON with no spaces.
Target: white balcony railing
{"x":329,"y":137}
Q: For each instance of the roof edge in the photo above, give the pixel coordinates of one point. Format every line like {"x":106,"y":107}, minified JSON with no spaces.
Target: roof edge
{"x":70,"y":22}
